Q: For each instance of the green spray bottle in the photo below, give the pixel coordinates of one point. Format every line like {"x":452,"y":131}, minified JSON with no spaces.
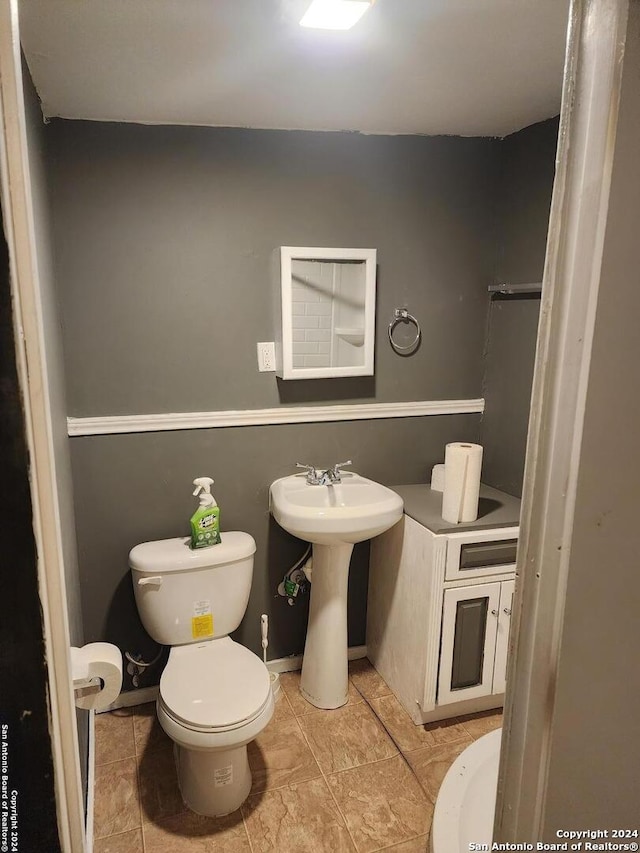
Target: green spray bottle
{"x":205,"y":522}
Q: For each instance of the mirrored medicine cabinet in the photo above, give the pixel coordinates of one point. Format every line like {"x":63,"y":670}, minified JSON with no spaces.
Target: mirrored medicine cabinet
{"x":326,"y":312}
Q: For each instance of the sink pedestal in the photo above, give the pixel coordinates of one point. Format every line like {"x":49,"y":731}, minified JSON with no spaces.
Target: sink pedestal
{"x":325,"y":675}
{"x":332,"y":517}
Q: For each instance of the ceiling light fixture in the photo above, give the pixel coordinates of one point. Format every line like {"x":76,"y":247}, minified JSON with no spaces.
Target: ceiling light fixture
{"x":334,"y":14}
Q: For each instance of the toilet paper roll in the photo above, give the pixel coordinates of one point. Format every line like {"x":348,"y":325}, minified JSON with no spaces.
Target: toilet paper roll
{"x":463,"y":466}
{"x":93,"y":661}
{"x":437,"y":477}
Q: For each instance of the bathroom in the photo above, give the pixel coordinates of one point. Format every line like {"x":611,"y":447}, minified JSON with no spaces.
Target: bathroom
{"x":143,"y":225}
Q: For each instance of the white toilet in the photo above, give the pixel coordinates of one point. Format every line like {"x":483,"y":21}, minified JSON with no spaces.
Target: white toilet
{"x":215,"y":695}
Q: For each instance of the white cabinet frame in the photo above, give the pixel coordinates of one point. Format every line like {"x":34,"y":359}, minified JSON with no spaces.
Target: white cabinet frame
{"x":452,"y":598}
{"x":455,"y":543}
{"x":284,"y":323}
{"x":499,"y":595}
{"x":502,"y":639}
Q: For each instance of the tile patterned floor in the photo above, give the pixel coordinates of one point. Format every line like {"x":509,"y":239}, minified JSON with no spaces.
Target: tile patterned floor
{"x":360,"y":779}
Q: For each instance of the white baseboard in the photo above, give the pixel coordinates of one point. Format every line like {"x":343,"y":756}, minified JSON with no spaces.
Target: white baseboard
{"x":149,"y":694}
{"x":293,"y":663}
{"x":132,"y":697}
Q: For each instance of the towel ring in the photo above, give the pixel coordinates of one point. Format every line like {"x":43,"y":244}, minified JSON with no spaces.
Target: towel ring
{"x":401,"y":315}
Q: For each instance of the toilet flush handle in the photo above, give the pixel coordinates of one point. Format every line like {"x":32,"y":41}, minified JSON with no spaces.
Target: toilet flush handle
{"x":156,"y":579}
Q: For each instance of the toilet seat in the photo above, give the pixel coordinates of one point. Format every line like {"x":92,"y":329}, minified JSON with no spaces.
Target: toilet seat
{"x":215,"y":686}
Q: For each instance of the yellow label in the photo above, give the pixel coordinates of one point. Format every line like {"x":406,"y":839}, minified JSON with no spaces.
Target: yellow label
{"x":202,"y":626}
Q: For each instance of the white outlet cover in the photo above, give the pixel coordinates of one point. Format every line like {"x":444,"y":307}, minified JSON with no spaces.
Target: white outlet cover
{"x":266,"y":356}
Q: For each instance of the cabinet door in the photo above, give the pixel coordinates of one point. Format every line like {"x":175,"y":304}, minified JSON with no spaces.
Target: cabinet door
{"x":502,"y":638}
{"x":469,"y":627}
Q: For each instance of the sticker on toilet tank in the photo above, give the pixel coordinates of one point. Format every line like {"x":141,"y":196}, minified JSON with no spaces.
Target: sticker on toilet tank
{"x":202,"y":620}
{"x":223,"y":776}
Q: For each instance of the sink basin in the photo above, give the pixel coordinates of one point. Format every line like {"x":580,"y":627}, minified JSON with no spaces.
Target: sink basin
{"x":350,"y":511}
{"x":333,"y":518}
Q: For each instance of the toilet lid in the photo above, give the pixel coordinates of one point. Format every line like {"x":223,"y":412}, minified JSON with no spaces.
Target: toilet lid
{"x":216,"y":684}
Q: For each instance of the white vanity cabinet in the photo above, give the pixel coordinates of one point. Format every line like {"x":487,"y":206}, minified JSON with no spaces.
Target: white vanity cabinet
{"x":439,"y":605}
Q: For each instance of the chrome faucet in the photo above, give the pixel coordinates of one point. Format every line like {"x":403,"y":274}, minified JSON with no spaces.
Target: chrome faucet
{"x":332,"y":475}
{"x":323,"y":478}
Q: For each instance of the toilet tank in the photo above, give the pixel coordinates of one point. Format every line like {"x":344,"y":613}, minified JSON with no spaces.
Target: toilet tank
{"x":186,"y":596}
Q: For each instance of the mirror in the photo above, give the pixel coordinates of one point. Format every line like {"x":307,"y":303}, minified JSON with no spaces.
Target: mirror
{"x":327,"y":312}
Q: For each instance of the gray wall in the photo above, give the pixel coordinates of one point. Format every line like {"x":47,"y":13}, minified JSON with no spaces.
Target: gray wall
{"x":164,"y":237}
{"x":592,"y":780}
{"x":163,"y":241}
{"x":524,"y":196}
{"x":116,"y":508}
{"x":52,"y":332}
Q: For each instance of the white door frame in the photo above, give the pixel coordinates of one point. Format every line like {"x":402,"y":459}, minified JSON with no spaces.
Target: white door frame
{"x":30,"y":356}
{"x":577,"y":224}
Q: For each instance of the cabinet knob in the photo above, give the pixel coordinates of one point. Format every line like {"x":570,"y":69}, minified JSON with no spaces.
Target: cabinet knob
{"x":507,"y":610}
{"x":495,"y":613}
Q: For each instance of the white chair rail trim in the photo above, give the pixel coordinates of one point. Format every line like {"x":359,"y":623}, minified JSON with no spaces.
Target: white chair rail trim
{"x":110,"y":425}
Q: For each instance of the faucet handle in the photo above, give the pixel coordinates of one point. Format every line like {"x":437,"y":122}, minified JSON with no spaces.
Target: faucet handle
{"x":334,"y":471}
{"x":312,"y":473}
{"x":310,"y":468}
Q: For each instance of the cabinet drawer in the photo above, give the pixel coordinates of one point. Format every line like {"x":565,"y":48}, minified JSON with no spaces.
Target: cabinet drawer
{"x":476,"y":555}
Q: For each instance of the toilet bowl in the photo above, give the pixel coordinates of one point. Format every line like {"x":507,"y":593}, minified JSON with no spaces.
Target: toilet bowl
{"x":215,"y":695}
{"x":214,"y":698}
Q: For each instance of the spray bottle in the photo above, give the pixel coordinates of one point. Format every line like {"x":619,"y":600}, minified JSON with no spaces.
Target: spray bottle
{"x":205,"y":522}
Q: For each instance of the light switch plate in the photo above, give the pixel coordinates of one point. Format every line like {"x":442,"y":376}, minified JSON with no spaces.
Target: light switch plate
{"x":266,"y":356}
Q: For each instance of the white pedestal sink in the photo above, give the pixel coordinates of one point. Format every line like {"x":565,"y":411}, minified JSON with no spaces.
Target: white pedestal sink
{"x":332,"y":517}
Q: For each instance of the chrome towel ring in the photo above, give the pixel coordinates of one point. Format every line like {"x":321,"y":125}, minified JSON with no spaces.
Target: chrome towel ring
{"x":401,"y":315}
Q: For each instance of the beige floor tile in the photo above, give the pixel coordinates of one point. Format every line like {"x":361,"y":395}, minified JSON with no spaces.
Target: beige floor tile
{"x":290,"y":682}
{"x":481,"y":724}
{"x":301,"y":818}
{"x":382,"y":803}
{"x":431,"y":764}
{"x":345,"y":738}
{"x":117,"y":805}
{"x":366,"y":679}
{"x":192,"y":833}
{"x":147,"y":730}
{"x":401,"y":727}
{"x":126,"y":842}
{"x":159,"y":793}
{"x":447,"y":731}
{"x":416,"y":845}
{"x":280,"y":755}
{"x":114,"y":737}
{"x":282,"y":709}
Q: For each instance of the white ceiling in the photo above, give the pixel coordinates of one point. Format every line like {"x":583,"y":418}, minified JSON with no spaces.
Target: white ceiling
{"x":465,"y":67}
